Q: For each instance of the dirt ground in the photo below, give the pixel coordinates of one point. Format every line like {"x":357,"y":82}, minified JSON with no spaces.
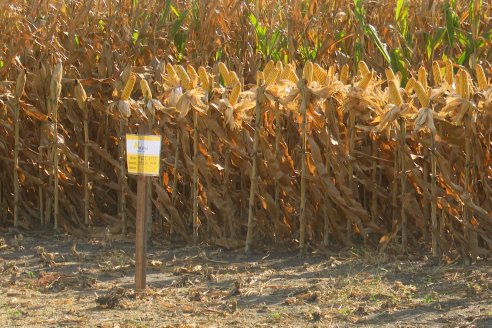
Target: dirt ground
{"x":45,"y":282}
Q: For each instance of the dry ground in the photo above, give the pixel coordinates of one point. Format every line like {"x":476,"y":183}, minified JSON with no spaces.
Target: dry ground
{"x":209,"y":287}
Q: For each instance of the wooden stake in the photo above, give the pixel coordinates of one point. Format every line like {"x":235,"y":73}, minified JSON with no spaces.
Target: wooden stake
{"x":86,"y":164}
{"x":404,"y":228}
{"x":141,"y":228}
{"x":196,"y":221}
{"x":434,"y":223}
{"x":302,"y":212}
{"x":254,"y":182}
{"x":122,"y":179}
{"x":278,"y":129}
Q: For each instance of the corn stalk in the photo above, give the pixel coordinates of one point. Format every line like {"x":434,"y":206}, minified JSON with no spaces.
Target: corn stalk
{"x":55,"y":90}
{"x":196,"y":221}
{"x":19,"y":89}
{"x":404,"y":228}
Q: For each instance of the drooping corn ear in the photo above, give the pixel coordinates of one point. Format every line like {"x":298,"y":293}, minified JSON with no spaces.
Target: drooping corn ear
{"x":234,"y":96}
{"x":144,"y":87}
{"x":464,"y":84}
{"x":344,"y":74}
{"x":80,"y":94}
{"x":203,"y":76}
{"x":422,"y":75}
{"x":127,"y":90}
{"x":481,"y":78}
{"x":364,"y":82}
{"x":272,"y":77}
{"x":436,"y":73}
{"x":410,"y":85}
{"x":394,"y":93}
{"x":390,"y":76}
{"x":20,"y":84}
{"x":184,"y":77}
{"x":279,"y":66}
{"x":308,"y":71}
{"x":449,"y":72}
{"x":268,"y":68}
{"x":224,"y":72}
{"x":193,"y":75}
{"x":171,"y":74}
{"x":320,"y":74}
{"x":363,"y":68}
{"x":421,"y":94}
{"x":233,"y":79}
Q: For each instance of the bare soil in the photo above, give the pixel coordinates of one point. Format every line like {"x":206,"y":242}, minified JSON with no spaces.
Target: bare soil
{"x":45,"y":283}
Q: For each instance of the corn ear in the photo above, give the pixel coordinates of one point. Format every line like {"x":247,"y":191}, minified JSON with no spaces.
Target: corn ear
{"x":449,"y":72}
{"x":20,"y":84}
{"x":233,"y":79}
{"x":394,"y":93}
{"x":272,"y":77}
{"x":80,"y":94}
{"x":144,"y":87}
{"x":184,"y":77}
{"x":481,"y":78}
{"x":410,"y":85}
{"x":464,"y":83}
{"x":421,"y":94}
{"x":224,"y":72}
{"x":363,"y":68}
{"x":436,"y":73}
{"x":234,"y":96}
{"x":193,"y":74}
{"x":279,"y":66}
{"x":364,"y":82}
{"x":344,"y":74}
{"x":171,"y":74}
{"x":127,"y":90}
{"x":320,"y":74}
{"x":422,"y":75}
{"x":202,"y":74}
{"x":268,"y":68}
{"x":390,"y":76}
{"x":308,"y":71}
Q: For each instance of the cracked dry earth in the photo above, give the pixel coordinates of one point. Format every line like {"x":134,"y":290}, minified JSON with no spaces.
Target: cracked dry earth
{"x":44,"y":282}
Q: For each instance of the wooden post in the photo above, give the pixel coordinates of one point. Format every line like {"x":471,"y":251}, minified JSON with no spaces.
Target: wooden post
{"x":141,"y":228}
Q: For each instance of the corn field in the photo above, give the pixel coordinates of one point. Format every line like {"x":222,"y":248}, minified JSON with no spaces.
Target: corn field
{"x":268,"y":148}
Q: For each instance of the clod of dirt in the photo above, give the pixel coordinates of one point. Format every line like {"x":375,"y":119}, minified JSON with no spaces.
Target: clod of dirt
{"x":108,"y":301}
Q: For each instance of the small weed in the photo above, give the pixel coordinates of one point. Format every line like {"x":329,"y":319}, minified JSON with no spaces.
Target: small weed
{"x":31,"y":275}
{"x":429,"y":298}
{"x":345,"y":312}
{"x":276,"y":315}
{"x":15,"y":313}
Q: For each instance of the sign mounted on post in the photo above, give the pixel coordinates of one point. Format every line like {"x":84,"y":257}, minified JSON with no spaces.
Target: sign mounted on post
{"x":143,"y":154}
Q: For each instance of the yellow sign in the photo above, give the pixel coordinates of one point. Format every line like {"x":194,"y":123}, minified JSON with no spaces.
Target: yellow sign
{"x":143,"y":154}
